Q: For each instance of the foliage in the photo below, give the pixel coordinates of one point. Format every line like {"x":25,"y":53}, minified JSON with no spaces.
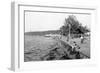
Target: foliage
{"x":73,"y":26}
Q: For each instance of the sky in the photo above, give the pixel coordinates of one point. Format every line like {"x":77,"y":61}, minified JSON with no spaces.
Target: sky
{"x":40,"y":21}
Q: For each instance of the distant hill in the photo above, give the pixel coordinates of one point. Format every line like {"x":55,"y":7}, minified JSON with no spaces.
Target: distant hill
{"x":41,"y":33}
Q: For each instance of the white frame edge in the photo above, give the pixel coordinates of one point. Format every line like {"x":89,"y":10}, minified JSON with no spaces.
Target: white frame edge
{"x":14,"y":37}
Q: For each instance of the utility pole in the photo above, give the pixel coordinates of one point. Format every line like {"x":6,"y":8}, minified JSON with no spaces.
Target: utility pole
{"x":30,"y":27}
{"x":69,"y":33}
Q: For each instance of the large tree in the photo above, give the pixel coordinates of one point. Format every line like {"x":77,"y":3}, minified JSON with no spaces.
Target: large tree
{"x":73,"y":26}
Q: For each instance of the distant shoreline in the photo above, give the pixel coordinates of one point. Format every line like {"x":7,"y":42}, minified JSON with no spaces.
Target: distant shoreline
{"x":42,"y":32}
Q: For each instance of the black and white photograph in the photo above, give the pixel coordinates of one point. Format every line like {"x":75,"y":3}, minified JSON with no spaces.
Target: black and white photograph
{"x":50,"y":36}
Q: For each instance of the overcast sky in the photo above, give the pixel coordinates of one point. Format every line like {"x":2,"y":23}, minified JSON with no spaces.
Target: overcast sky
{"x":39,"y":21}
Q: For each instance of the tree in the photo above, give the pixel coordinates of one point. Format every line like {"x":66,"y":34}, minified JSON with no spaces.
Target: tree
{"x":73,"y":25}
